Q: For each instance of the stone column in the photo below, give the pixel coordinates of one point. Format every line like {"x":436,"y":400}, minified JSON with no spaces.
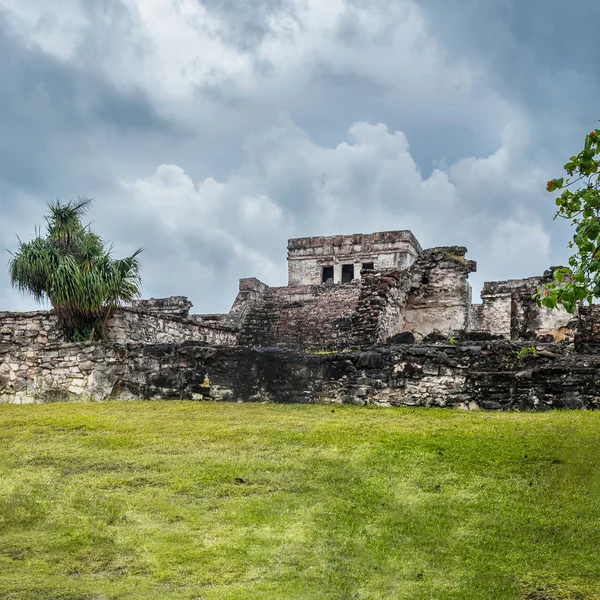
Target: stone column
{"x":337,"y":273}
{"x":357,"y":268}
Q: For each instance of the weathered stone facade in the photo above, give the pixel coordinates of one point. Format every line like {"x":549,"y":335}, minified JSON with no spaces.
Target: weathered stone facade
{"x":307,"y":316}
{"x":140,"y":324}
{"x":29,"y":328}
{"x":492,"y":375}
{"x":340,"y":258}
{"x":509,"y":309}
{"x":439,"y":299}
{"x":131,"y":325}
{"x":362,"y":337}
{"x":586,"y":326}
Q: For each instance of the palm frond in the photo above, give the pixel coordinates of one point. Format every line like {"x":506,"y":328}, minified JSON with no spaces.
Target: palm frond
{"x":31,"y":267}
{"x":64,"y":222}
{"x":75,"y":270}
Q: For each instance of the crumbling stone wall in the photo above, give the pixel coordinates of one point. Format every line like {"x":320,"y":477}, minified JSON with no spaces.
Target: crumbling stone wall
{"x":312,"y":316}
{"x":141,"y":324}
{"x":130,"y":325}
{"x":29,"y":328}
{"x":490,"y":375}
{"x":508,"y":309}
{"x":251,"y":295}
{"x":379,"y":313}
{"x":586,"y":326}
{"x":439,"y":297}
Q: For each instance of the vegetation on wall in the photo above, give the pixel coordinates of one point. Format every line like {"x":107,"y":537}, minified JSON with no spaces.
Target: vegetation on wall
{"x":73,"y":268}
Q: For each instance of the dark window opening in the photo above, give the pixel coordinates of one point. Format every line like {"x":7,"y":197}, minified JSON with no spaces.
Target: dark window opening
{"x":424,"y":280}
{"x":368,"y":266}
{"x":347,"y":273}
{"x":327,"y":275}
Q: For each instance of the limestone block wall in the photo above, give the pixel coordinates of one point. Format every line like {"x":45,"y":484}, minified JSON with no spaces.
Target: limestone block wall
{"x":252,"y":293}
{"x":29,"y":328}
{"x":494,"y":315}
{"x":465,"y":376}
{"x":509,"y":309}
{"x":124,"y":325}
{"x":130,"y":325}
{"x":380,"y":310}
{"x":439,"y":296}
{"x":318,"y":317}
{"x":587,"y":329}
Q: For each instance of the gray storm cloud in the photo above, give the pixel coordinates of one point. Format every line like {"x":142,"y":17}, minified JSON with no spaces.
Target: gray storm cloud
{"x":210,"y":134}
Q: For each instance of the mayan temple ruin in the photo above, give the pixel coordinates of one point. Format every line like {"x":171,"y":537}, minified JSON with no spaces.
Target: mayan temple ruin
{"x":365,"y":318}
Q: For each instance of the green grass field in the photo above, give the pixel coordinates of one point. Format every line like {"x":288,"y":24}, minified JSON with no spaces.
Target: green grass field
{"x":240,"y":501}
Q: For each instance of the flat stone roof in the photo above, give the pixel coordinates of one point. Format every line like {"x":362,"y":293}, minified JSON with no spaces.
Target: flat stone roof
{"x":364,"y":239}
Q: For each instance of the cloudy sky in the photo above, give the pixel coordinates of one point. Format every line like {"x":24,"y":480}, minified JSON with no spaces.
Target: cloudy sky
{"x":210,"y":131}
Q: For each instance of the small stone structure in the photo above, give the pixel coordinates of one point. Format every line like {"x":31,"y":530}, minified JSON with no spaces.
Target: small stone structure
{"x":178,"y":306}
{"x":364,"y":319}
{"x":508,"y":309}
{"x":341,"y":258}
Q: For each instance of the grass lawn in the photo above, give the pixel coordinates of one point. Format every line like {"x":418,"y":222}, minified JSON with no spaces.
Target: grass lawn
{"x":243,"y":501}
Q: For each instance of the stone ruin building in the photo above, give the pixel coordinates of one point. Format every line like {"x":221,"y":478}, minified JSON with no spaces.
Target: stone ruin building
{"x":365,"y":318}
{"x":344,"y":291}
{"x":366,"y":289}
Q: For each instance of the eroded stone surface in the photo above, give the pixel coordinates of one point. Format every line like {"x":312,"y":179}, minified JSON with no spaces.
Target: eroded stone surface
{"x":307,"y":257}
{"x":508,"y":309}
{"x":392,"y":287}
{"x":345,"y":341}
{"x":492,"y":375}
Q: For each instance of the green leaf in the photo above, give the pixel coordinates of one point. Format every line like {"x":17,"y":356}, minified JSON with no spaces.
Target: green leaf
{"x":73,"y":268}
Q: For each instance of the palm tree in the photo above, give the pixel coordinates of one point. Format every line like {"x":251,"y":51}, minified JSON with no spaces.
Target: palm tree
{"x":74,"y":269}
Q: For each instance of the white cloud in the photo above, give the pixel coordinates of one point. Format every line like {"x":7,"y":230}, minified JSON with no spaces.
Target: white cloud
{"x":56,"y":31}
{"x":268,"y":149}
{"x":289,"y":185}
{"x":181,"y":53}
{"x":521,"y":238}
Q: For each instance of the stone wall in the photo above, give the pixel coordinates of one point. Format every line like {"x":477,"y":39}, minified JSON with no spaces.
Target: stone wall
{"x":124,"y":325}
{"x":586,"y":325}
{"x":379,"y":313}
{"x":509,"y":309}
{"x":439,"y":297}
{"x":311,"y":316}
{"x":130,"y":325}
{"x":29,"y":328}
{"x":491,"y":375}
{"x":251,"y":295}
